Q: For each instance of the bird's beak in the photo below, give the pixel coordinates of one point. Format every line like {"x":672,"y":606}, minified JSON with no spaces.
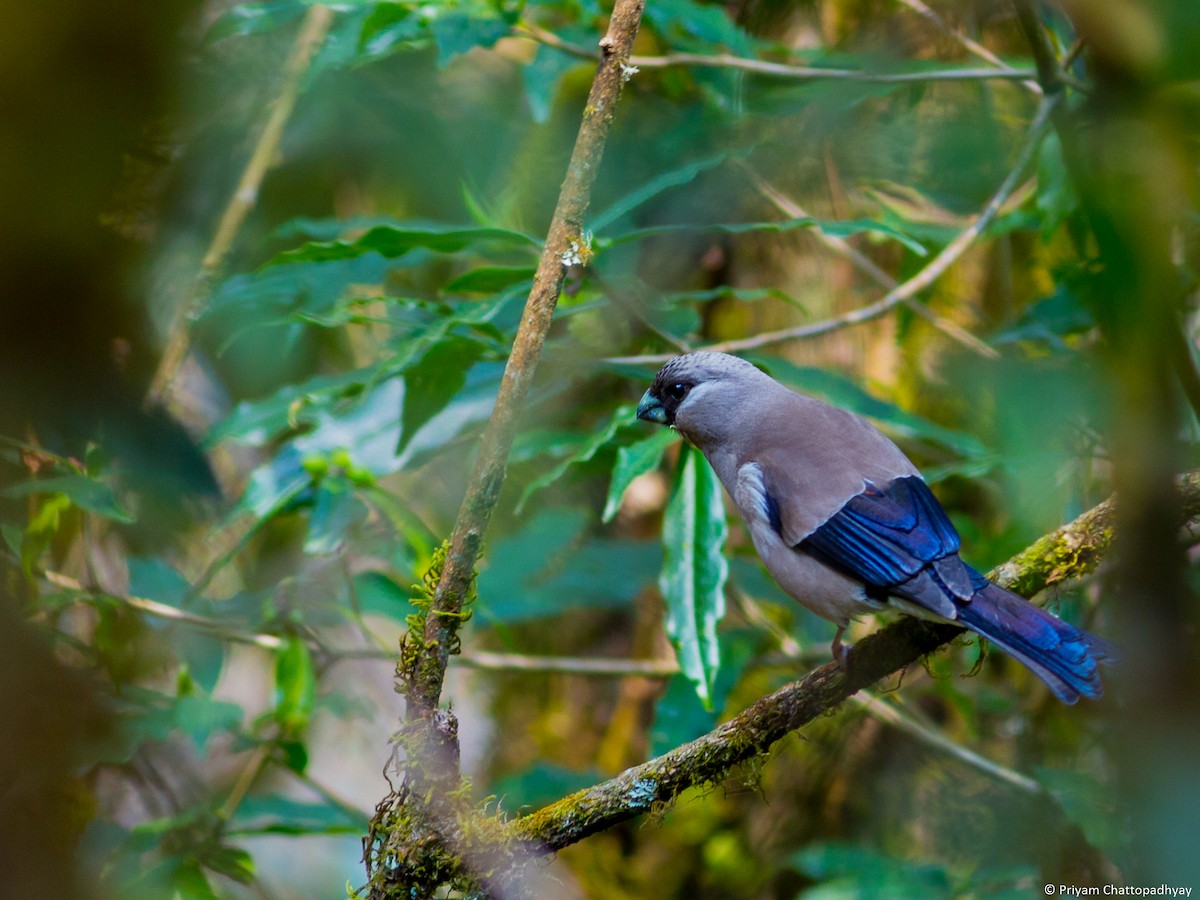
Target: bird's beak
{"x":650,"y":410}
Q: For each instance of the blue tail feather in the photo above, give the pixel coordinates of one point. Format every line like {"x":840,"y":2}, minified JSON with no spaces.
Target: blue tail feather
{"x":1063,"y":656}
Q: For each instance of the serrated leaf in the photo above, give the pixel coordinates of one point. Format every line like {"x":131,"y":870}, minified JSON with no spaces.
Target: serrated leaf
{"x":295,"y":686}
{"x":694,"y":570}
{"x":632,"y":461}
{"x":392,"y":241}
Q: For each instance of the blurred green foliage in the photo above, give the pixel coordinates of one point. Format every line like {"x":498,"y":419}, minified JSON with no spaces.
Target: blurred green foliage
{"x":205,"y":623}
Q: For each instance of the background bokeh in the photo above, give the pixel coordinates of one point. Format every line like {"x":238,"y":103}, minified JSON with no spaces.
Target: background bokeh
{"x":201,"y":595}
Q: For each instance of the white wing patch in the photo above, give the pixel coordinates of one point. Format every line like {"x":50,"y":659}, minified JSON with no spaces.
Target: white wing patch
{"x":750,"y":495}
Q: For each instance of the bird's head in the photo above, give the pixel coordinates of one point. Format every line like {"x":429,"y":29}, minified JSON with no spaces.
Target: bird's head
{"x":703,"y":394}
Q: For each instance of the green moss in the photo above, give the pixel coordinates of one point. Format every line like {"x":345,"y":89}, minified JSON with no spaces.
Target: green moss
{"x":428,"y":835}
{"x":419,"y":664}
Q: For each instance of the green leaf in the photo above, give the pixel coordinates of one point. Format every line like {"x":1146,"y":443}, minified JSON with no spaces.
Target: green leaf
{"x":275,"y":814}
{"x":380,"y":594}
{"x":838,"y":229}
{"x":43,"y":526}
{"x":848,"y":871}
{"x":295,"y":686}
{"x":698,"y":26}
{"x":1056,"y":196}
{"x":255,"y":18}
{"x":1088,"y":802}
{"x":87,"y":493}
{"x":586,"y":449}
{"x":675,"y":178}
{"x":1053,"y":320}
{"x":680,"y":716}
{"x":273,"y":485}
{"x":632,"y":461}
{"x":190,"y":883}
{"x":391,"y":26}
{"x":433,"y":381}
{"x":201,"y":717}
{"x":541,"y":784}
{"x":257,"y":422}
{"x":391,"y":241}
{"x":552,"y":565}
{"x":335,"y":511}
{"x":488,"y":279}
{"x":232,"y":862}
{"x":694,"y":570}
{"x":367,"y":427}
{"x":461,"y":30}
{"x":544,"y":74}
{"x":470,"y":406}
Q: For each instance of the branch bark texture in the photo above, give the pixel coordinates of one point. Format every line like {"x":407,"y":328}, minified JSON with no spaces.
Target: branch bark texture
{"x":564,"y":240}
{"x":1068,"y":553}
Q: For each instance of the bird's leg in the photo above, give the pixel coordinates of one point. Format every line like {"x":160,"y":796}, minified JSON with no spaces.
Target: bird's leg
{"x":840,"y":651}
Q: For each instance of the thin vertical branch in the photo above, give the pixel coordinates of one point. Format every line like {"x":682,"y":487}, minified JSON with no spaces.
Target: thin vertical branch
{"x":564,"y":241}
{"x":312,"y":35}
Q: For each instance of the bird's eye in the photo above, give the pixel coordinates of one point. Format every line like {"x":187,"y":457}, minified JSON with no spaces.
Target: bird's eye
{"x":677,"y":391}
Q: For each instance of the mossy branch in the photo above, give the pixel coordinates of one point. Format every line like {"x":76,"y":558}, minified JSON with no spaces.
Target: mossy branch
{"x":1072,"y":551}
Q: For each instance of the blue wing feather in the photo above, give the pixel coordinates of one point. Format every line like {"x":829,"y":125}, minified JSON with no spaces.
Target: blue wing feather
{"x":898,"y":541}
{"x":886,"y":536}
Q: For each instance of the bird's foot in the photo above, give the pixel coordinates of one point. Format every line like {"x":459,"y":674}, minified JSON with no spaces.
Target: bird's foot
{"x":841,"y":652}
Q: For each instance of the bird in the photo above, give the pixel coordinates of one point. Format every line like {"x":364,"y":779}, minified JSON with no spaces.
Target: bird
{"x":845,"y":523}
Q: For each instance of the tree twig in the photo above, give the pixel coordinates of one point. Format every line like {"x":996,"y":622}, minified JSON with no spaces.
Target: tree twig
{"x":312,"y":35}
{"x":782,"y":70}
{"x":866,"y":266}
{"x":971,"y":45}
{"x":932,"y":271}
{"x":932,"y":737}
{"x":602,"y":667}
